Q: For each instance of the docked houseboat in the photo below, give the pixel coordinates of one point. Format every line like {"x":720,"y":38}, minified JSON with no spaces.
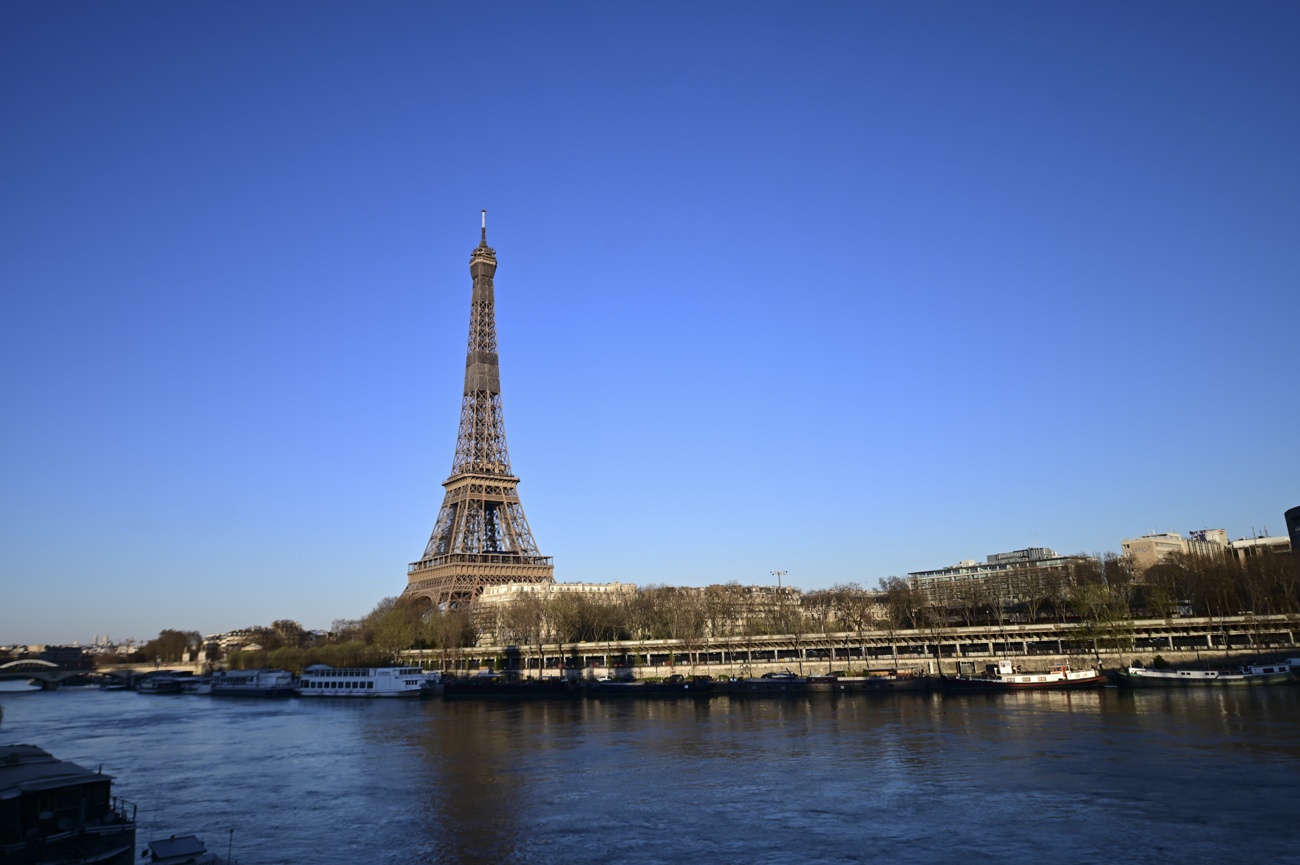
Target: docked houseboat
{"x":165,"y":682}
{"x":898,"y":680}
{"x":675,"y":685}
{"x":252,"y":683}
{"x":784,"y":682}
{"x":1003,"y":676}
{"x":432,"y":684}
{"x":882,"y":682}
{"x":322,"y":680}
{"x":52,"y":812}
{"x":500,"y":686}
{"x":201,"y":685}
{"x":1281,"y":673}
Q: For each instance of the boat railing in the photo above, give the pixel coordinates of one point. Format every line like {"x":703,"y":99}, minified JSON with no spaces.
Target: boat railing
{"x":124,"y":809}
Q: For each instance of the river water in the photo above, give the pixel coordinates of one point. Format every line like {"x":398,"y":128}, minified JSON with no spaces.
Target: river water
{"x":1085,"y":777}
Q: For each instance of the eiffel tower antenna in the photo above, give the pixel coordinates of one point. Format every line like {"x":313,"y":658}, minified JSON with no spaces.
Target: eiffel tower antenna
{"x":481,"y":537}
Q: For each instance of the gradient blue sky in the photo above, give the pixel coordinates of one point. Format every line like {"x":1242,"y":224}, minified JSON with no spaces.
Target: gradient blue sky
{"x":843,"y":289}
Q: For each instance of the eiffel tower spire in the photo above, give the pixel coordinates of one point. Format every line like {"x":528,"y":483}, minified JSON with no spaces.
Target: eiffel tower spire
{"x":481,"y":536}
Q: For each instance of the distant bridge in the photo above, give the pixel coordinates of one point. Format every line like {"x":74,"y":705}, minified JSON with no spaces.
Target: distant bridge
{"x":49,"y":675}
{"x":126,"y":671}
{"x":52,"y":675}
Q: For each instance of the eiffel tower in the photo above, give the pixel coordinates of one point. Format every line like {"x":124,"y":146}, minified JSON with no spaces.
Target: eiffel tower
{"x":481,"y":537}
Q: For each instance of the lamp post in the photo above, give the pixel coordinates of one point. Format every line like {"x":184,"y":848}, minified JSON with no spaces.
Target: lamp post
{"x":780,"y":610}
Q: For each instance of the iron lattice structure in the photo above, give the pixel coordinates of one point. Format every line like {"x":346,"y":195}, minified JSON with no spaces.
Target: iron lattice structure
{"x":481,"y":536}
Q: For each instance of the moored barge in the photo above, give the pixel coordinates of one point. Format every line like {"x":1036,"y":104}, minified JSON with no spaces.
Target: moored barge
{"x":876,"y":683}
{"x":1003,"y":676}
{"x":1281,"y":673}
{"x":784,"y":682}
{"x":675,"y":685}
{"x":499,"y":686}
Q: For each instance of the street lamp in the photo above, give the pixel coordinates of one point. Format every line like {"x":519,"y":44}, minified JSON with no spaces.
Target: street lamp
{"x":780,"y":606}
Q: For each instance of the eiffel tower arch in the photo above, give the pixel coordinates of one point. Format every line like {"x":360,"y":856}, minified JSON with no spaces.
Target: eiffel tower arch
{"x":481,"y":536}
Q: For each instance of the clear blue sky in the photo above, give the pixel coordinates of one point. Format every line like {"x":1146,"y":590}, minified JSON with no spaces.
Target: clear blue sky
{"x":843,"y":289}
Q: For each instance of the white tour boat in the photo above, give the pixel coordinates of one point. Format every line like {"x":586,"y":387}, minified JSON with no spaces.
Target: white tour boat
{"x":321,"y":680}
{"x":252,"y":683}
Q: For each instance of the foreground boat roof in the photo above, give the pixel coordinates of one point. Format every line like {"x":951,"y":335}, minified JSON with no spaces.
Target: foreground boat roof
{"x":175,"y":846}
{"x":26,"y":768}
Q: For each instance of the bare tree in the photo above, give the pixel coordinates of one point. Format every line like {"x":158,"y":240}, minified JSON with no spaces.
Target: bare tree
{"x":522,"y":622}
{"x":857,"y":610}
{"x":448,"y":631}
{"x":902,"y":608}
{"x":723,"y":608}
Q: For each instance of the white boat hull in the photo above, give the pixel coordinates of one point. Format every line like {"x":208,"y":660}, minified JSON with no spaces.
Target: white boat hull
{"x":361,"y":683}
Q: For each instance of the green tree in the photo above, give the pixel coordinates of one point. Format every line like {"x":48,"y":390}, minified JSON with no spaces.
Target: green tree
{"x":345,"y":631}
{"x":171,"y":646}
{"x":289,"y":633}
{"x":393,"y":626}
{"x":448,"y":631}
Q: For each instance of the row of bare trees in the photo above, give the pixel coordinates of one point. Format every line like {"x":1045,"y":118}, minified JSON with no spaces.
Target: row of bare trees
{"x":1025,"y":594}
{"x":1098,"y":591}
{"x":678,"y":613}
{"x":1265,"y":584}
{"x":1102,"y":589}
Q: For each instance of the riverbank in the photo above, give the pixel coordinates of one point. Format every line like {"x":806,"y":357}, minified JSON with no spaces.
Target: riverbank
{"x":1228,"y":641}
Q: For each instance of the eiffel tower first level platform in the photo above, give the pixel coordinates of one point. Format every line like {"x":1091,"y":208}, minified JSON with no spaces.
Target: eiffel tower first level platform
{"x":481,"y":536}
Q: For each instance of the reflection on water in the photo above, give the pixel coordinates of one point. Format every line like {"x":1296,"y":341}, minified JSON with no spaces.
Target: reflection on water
{"x":909,"y":778}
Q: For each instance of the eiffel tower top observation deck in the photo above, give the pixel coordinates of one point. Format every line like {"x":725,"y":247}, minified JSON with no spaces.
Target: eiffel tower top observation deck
{"x":481,"y":537}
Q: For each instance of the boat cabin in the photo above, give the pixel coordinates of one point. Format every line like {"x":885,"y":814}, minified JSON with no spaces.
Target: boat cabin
{"x":60,"y":806}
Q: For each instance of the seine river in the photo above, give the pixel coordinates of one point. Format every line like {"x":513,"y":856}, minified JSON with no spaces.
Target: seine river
{"x":1187,"y":777}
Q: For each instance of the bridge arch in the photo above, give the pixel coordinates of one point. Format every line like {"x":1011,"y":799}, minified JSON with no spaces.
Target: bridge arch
{"x":35,"y":668}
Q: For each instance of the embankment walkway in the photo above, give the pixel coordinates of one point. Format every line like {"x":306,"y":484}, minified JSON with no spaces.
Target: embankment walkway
{"x":1114,"y":644}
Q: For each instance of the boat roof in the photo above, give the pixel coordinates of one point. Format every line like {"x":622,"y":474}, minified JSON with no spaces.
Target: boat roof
{"x":322,"y":668}
{"x":254,"y":672}
{"x":176,"y":846}
{"x":26,"y":768}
